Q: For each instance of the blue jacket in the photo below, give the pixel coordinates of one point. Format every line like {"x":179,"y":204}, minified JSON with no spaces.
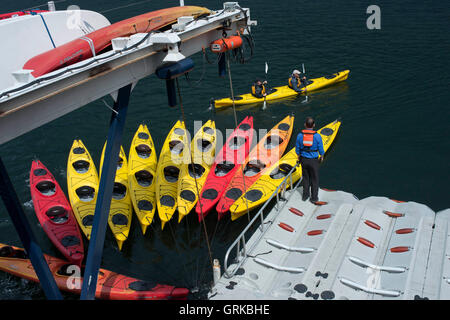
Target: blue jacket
{"x":317,"y":145}
{"x":295,"y":84}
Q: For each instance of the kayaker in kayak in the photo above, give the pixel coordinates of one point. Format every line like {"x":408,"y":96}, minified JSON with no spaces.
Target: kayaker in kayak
{"x":259,"y":89}
{"x":297,"y":81}
{"x":309,"y":148}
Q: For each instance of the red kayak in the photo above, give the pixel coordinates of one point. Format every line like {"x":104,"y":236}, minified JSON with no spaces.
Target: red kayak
{"x":80,"y":49}
{"x":20,"y":13}
{"x":110,"y":285}
{"x":55,"y":213}
{"x":268,"y":151}
{"x":228,"y":160}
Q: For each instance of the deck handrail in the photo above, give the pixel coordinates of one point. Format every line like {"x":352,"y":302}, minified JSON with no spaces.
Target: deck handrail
{"x":241,"y":238}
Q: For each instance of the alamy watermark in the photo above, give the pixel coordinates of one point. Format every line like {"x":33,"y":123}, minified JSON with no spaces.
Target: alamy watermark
{"x":374,"y":20}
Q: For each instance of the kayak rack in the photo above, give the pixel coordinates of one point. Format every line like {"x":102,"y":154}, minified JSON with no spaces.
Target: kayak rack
{"x":242,"y":252}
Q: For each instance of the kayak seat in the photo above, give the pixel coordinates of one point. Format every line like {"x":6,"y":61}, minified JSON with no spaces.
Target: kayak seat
{"x":47,"y":188}
{"x":57,"y":214}
{"x":196,"y":170}
{"x":81,"y":166}
{"x":253,"y":167}
{"x":40,"y":172}
{"x":233,"y":193}
{"x":144,"y":178}
{"x":145,"y":205}
{"x":171,"y":173}
{"x":187,"y":195}
{"x":236,"y":142}
{"x":142,"y":285}
{"x":176,"y":146}
{"x":10,"y":252}
{"x":167,"y":201}
{"x":204,"y":145}
{"x":88,"y":220}
{"x":223,"y":168}
{"x":281,"y":171}
{"x":119,"y":163}
{"x":210,"y":194}
{"x":119,"y":219}
{"x":273,"y":141}
{"x":237,"y":98}
{"x":143,"y":151}
{"x":85,"y":193}
{"x":119,"y":191}
{"x":253,"y":195}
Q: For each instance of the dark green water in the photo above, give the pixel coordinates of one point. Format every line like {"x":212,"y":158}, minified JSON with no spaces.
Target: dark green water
{"x":394,"y":140}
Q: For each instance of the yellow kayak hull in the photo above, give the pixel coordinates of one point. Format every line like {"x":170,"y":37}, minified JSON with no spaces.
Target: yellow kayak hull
{"x":174,"y":153}
{"x":266,"y":185}
{"x":142,"y":163}
{"x":121,"y":210}
{"x":284,"y":91}
{"x":203,"y":150}
{"x":82,"y":186}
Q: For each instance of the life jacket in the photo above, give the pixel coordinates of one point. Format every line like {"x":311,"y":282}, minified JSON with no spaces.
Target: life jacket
{"x":290,"y":82}
{"x":308,"y":139}
{"x":263,"y":91}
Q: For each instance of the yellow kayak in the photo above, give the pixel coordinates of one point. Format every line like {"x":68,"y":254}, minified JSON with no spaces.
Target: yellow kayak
{"x":142,"y":162}
{"x":120,"y":212}
{"x":192,"y":178}
{"x":264,"y":187}
{"x":284,"y":91}
{"x":174,"y":153}
{"x":82,"y":185}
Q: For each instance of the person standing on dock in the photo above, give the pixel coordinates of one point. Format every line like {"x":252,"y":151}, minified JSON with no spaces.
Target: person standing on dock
{"x":309,"y":148}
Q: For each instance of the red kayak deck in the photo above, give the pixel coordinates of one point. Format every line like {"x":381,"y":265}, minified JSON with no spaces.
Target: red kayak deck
{"x":80,"y":49}
{"x":110,"y":285}
{"x":268,"y":151}
{"x":228,"y":160}
{"x":55,"y":213}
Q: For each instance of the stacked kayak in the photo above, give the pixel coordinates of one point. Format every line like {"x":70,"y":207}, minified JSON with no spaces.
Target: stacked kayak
{"x":55,"y":214}
{"x":266,"y":185}
{"x":174,"y":153}
{"x":284,"y":91}
{"x":227,"y":162}
{"x":121,"y":210}
{"x":82,"y":186}
{"x":193,"y":174}
{"x":142,"y":162}
{"x":268,"y":151}
{"x":110,"y":285}
{"x":80,"y":49}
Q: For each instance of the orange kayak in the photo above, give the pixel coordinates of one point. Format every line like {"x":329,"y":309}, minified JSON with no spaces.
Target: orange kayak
{"x":110,"y":285}
{"x":80,"y":49}
{"x":268,"y":151}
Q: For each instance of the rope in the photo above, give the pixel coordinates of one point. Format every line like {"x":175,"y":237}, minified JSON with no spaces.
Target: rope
{"x":196,"y":184}
{"x":236,"y":125}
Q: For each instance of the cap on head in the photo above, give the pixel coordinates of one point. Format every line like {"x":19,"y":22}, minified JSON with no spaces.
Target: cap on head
{"x":295,"y":72}
{"x":309,"y":122}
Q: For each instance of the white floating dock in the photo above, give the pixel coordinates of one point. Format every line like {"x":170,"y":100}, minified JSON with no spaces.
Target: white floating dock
{"x":375,"y":248}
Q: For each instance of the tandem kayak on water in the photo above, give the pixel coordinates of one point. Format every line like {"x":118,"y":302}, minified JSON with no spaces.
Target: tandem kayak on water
{"x":266,"y":185}
{"x":284,"y":91}
{"x":110,"y":285}
{"x":55,"y":214}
